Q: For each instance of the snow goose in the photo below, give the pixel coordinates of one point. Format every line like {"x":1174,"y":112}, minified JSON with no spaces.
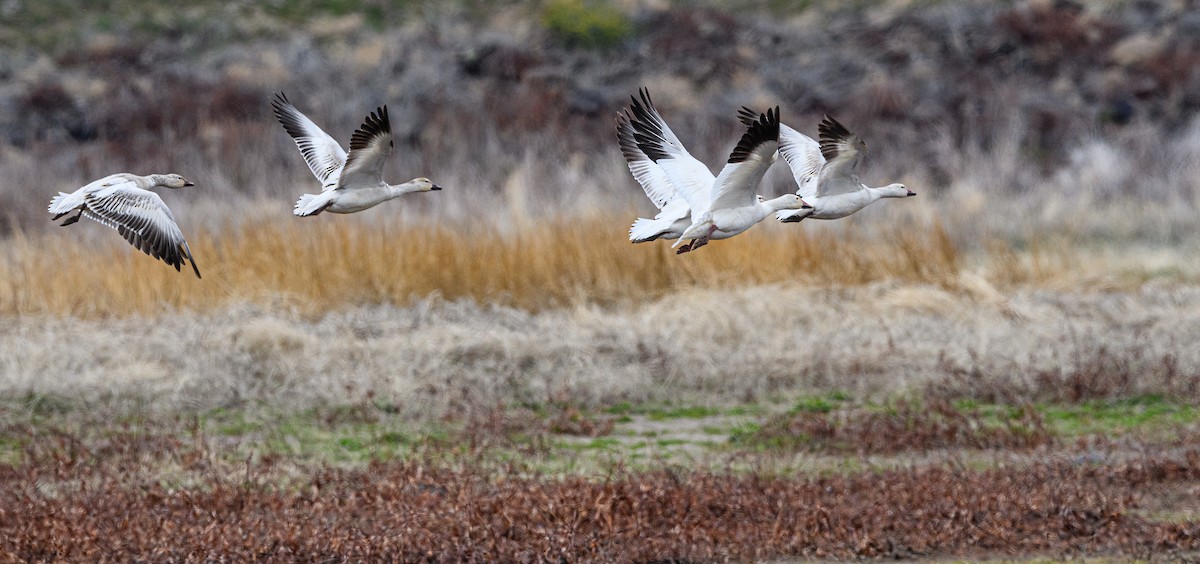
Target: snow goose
{"x":349,"y":183}
{"x":827,"y":172}
{"x":658,"y":160}
{"x":674,"y":215}
{"x":124,"y":202}
{"x":727,"y":205}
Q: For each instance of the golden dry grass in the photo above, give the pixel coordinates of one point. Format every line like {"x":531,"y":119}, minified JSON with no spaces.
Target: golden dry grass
{"x":330,"y":262}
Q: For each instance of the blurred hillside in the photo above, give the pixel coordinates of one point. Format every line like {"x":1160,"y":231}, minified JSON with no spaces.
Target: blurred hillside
{"x":1076,"y":117}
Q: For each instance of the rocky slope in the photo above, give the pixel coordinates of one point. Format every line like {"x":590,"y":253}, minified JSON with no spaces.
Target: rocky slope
{"x":935,"y":88}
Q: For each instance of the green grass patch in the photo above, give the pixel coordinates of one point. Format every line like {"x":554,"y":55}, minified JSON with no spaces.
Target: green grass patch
{"x":393,"y":439}
{"x":747,"y":410}
{"x":351,"y":444}
{"x":12,"y":450}
{"x":820,"y":404}
{"x":1150,"y":413}
{"x":623,"y":408}
{"x":743,"y":433}
{"x":335,"y":434}
{"x":598,"y":443}
{"x":693,"y":412}
{"x":238,"y":428}
{"x":626,"y":411}
{"x":604,"y":443}
{"x":586,"y":24}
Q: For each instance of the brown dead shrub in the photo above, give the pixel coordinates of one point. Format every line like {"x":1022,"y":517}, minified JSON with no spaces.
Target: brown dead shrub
{"x":48,"y":97}
{"x":688,"y":35}
{"x":569,"y":420}
{"x":1055,"y":31}
{"x":907,"y":426}
{"x":115,"y":507}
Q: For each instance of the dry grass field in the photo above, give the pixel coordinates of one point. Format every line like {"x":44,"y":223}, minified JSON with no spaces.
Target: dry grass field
{"x":342,"y":389}
{"x":1002,"y":367}
{"x":334,"y":262}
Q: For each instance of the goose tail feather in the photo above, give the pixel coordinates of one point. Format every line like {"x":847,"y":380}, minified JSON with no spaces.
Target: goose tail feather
{"x":644,"y":230}
{"x":63,"y":203}
{"x":312,"y":204}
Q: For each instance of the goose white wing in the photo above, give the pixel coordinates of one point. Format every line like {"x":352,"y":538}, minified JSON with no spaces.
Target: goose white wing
{"x":323,"y":154}
{"x":370,"y":146}
{"x":801,"y":152}
{"x":111,"y":180}
{"x":737,"y":185}
{"x":653,"y":179}
{"x":842,"y":151}
{"x":141,"y":217}
{"x":692,"y":180}
{"x":674,"y":210}
{"x":803,"y":155}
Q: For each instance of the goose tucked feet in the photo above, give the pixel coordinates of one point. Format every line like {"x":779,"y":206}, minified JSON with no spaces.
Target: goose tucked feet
{"x":69,"y":220}
{"x":699,"y":241}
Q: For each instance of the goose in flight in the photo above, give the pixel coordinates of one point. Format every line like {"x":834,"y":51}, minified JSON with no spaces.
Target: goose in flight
{"x":674,"y":215}
{"x":124,"y":202}
{"x":827,"y":172}
{"x":349,"y":183}
{"x":678,"y":183}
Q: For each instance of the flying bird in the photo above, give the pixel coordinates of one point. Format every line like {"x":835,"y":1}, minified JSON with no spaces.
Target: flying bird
{"x":349,"y":182}
{"x":827,"y":172}
{"x":124,"y":202}
{"x":694,"y":204}
{"x":674,"y":215}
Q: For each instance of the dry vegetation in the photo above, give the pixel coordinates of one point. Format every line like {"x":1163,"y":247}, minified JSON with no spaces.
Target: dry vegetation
{"x":72,"y":503}
{"x":469,"y":375}
{"x":908,"y":426}
{"x":718,"y":347}
{"x":334,"y":262}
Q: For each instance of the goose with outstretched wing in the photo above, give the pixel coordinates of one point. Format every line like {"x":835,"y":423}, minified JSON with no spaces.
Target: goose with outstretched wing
{"x":827,"y":172}
{"x":679,"y":184}
{"x":350,"y":182}
{"x":674,"y":215}
{"x":124,"y":202}
{"x":729,"y":204}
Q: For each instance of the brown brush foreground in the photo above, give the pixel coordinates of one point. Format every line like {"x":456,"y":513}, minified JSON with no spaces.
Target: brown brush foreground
{"x":74,"y":503}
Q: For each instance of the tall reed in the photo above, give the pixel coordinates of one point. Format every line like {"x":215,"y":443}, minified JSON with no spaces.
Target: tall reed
{"x":324,"y":263}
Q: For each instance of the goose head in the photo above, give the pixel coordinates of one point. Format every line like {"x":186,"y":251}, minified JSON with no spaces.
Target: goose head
{"x":896,"y":191}
{"x":423,"y":184}
{"x":172,"y":181}
{"x":788,"y":202}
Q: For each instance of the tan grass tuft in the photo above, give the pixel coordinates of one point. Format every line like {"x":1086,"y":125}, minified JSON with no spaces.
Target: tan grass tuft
{"x":326,"y":263}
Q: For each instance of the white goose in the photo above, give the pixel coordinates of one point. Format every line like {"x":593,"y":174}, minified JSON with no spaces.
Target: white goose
{"x":674,"y":215}
{"x":349,"y":183}
{"x":728,"y":201}
{"x":124,"y":202}
{"x":727,"y":205}
{"x":827,"y":172}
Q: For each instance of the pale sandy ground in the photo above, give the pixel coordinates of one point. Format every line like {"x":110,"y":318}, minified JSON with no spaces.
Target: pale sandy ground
{"x":708,"y":348}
